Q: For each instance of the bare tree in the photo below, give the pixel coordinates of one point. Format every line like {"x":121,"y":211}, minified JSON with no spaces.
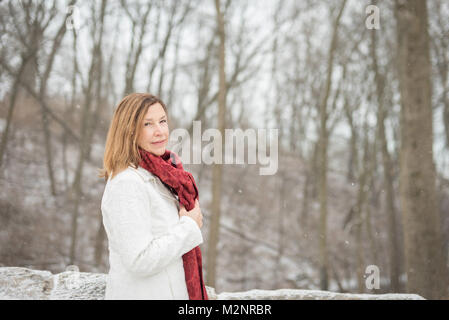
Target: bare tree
{"x":439,"y":42}
{"x":75,"y":192}
{"x":30,"y":25}
{"x":323,"y":146}
{"x":217,"y":169}
{"x":380,"y":82}
{"x":139,"y":23}
{"x":426,"y":272}
{"x":173,"y":22}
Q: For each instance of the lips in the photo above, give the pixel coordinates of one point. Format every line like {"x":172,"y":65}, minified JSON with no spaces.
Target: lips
{"x":158,"y":142}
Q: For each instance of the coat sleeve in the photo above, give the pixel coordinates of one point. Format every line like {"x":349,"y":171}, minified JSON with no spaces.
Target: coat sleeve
{"x":125,"y":215}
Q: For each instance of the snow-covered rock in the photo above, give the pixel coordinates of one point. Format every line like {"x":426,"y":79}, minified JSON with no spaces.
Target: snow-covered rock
{"x":295,"y":294}
{"x":18,"y":283}
{"x":25,"y":284}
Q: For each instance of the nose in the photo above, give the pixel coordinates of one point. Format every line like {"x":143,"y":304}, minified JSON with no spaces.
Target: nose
{"x":157,"y":129}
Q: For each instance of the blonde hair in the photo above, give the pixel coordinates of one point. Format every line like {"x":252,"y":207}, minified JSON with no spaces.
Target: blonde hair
{"x":121,"y":148}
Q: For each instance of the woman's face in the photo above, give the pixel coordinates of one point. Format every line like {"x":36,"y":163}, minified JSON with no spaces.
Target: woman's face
{"x":153,"y":135}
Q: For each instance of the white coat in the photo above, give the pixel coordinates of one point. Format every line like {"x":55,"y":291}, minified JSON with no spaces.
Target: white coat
{"x":146,"y":238}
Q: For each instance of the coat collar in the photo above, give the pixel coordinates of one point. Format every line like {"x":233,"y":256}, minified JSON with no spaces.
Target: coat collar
{"x":145,"y":174}
{"x":148,"y":176}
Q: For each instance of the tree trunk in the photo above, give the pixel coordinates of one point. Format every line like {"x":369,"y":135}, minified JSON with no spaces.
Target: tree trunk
{"x":387,"y":171}
{"x":426,"y":272}
{"x":217,"y":170}
{"x":322,"y":155}
{"x":363,"y":179}
{"x":280,"y":248}
{"x":353,"y":161}
{"x":42,"y":97}
{"x":12,"y":103}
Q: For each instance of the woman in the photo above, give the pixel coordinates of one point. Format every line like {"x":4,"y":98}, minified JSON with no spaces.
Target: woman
{"x":150,"y":208}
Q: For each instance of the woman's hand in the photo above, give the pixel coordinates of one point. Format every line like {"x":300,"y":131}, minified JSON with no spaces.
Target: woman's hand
{"x":195,"y":213}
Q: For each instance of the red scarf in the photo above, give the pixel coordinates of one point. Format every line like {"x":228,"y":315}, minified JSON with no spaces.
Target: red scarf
{"x":168,"y":168}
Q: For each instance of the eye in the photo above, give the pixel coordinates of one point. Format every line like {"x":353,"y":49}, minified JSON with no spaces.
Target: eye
{"x":164,"y":120}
